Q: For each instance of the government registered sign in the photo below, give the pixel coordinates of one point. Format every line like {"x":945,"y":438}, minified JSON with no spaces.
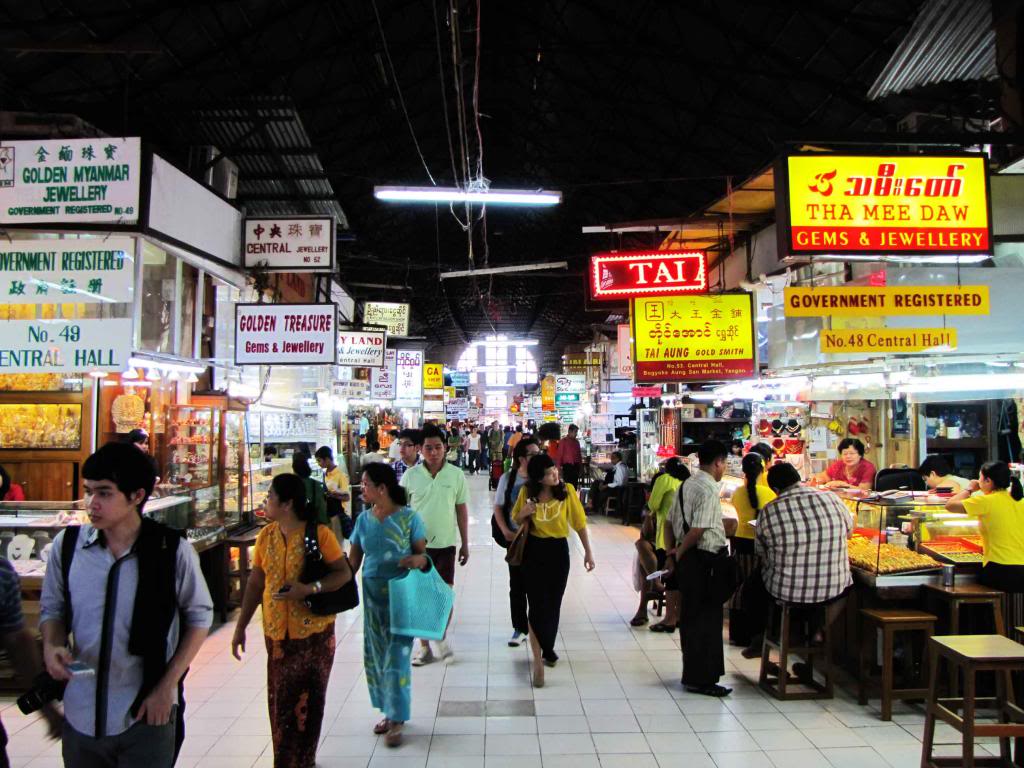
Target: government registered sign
{"x":86,"y":270}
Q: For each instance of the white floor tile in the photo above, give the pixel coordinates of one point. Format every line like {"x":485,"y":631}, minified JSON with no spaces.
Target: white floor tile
{"x":742,"y":760}
{"x":621,"y":743}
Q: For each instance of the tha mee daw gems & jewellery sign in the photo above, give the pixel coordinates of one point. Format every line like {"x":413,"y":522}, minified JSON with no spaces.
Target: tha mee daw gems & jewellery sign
{"x":286,"y":334}
{"x":87,"y":270}
{"x":693,"y":338}
{"x":289,"y":243}
{"x":70,"y":181}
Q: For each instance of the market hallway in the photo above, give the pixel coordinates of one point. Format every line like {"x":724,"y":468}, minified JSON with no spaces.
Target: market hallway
{"x":614,"y":698}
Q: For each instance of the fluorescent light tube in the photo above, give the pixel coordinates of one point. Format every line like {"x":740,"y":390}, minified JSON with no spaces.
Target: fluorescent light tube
{"x":456,"y":195}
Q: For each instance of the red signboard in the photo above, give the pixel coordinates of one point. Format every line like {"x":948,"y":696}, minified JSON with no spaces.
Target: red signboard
{"x":622,"y":276}
{"x":646,"y":391}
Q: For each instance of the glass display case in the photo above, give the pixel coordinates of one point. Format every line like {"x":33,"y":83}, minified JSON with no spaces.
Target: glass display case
{"x":950,"y":538}
{"x":236,"y":487}
{"x":648,"y":440}
{"x":41,"y":426}
{"x":193,"y":437}
{"x":882,"y":551}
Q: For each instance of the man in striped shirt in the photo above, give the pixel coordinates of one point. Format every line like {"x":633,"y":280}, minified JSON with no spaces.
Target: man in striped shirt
{"x":409,"y":442}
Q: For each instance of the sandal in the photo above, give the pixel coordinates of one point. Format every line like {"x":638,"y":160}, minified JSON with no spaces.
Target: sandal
{"x":638,"y":621}
{"x":393,"y":738}
{"x":662,"y":627}
{"x":382,"y":727}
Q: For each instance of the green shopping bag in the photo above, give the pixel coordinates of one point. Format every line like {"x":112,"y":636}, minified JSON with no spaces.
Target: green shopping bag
{"x":420,"y":603}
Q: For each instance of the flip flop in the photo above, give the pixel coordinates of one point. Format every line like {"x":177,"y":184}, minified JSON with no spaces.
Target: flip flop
{"x":382,"y":727}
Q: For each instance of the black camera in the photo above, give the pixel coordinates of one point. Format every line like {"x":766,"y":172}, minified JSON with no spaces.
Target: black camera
{"x":44,"y":690}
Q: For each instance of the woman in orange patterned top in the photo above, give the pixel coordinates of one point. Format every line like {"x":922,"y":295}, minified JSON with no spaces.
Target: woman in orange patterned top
{"x":300,"y":644}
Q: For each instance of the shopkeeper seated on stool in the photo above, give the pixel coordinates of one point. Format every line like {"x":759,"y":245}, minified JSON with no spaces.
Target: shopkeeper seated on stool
{"x":850,"y":470}
{"x":1000,"y":510}
{"x":936,"y":474}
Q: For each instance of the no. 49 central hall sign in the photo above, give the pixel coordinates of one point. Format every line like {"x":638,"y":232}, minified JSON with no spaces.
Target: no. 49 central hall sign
{"x":622,"y":276}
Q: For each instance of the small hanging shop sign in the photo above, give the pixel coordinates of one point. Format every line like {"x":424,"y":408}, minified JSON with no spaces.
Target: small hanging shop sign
{"x":622,"y":276}
{"x":362,"y":348}
{"x":87,"y":270}
{"x":286,"y":334}
{"x":879,"y":301}
{"x":893,"y":340}
{"x":289,"y":243}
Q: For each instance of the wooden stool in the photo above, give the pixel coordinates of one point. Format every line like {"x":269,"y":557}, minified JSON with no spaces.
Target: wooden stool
{"x":890,"y":622}
{"x":966,"y":594}
{"x":972,"y":654}
{"x":782,"y":642}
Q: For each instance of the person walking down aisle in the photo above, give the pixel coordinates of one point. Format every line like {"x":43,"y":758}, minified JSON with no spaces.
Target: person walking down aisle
{"x":552,"y":508}
{"x":570,"y":457}
{"x":473,"y":441}
{"x":437,"y":491}
{"x":337,"y":485}
{"x":300,"y":644}
{"x":495,"y":443}
{"x":503,"y":529}
{"x":316,"y":498}
{"x":139,"y":611}
{"x":386,"y":542}
{"x":409,"y":443}
{"x":698,"y":527}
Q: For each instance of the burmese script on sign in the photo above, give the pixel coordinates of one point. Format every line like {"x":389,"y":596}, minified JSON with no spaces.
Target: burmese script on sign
{"x":693,"y":338}
{"x":901,"y":204}
{"x":393,"y":316}
{"x":898,"y":340}
{"x":871,"y":301}
{"x":285,"y":334}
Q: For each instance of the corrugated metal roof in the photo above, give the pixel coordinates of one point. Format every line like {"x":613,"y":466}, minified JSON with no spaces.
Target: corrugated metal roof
{"x":950,"y":41}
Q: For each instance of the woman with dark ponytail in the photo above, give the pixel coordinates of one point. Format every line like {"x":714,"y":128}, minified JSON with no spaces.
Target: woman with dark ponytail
{"x":300,"y":644}
{"x":388,"y":539}
{"x":1000,"y":511}
{"x":749,"y":500}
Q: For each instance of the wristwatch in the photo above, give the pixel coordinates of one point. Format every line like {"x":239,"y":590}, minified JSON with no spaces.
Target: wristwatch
{"x":318,"y":587}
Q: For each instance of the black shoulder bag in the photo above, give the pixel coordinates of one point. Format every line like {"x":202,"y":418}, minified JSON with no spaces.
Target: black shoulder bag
{"x":506,"y":510}
{"x":315,"y":569}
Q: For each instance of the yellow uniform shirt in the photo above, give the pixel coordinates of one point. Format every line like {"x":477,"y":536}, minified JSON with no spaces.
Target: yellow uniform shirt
{"x":1002,"y":526}
{"x":664,"y":491}
{"x":553,"y":518}
{"x":744,"y":511}
{"x":336,"y":480}
{"x":282,"y":562}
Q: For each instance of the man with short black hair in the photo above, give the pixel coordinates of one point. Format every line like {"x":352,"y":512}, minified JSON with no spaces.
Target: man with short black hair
{"x":570,"y":457}
{"x":409,"y":443}
{"x":615,"y":484}
{"x":697,"y":525}
{"x":337,"y":484}
{"x":131,"y":592}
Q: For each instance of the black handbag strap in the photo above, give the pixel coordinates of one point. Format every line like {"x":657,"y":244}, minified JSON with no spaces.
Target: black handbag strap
{"x":312,"y":544}
{"x":682,"y":509}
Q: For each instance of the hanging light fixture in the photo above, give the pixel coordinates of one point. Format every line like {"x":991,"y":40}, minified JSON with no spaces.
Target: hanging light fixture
{"x":153,"y":375}
{"x":131,"y":374}
{"x":458,"y":195}
{"x":192,"y":379}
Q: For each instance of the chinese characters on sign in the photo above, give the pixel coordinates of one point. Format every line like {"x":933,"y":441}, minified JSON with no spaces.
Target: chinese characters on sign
{"x":285,"y":334}
{"x":70,"y":180}
{"x":409,"y":387}
{"x":58,"y":271}
{"x":622,"y":276}
{"x":289,"y":243}
{"x":894,"y":204}
{"x":383,"y":379}
{"x":361,"y":349}
{"x":693,"y":338}
{"x":394,"y":317}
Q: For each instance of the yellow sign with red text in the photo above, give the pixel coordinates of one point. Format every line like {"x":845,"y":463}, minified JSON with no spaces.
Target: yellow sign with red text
{"x":879,"y":301}
{"x":433,"y":376}
{"x":890,"y":204}
{"x":843,"y":341}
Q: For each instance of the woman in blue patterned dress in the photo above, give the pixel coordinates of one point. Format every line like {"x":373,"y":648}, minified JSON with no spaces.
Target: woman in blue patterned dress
{"x":388,"y":539}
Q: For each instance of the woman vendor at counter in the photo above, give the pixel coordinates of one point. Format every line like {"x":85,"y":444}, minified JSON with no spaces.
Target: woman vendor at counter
{"x":850,"y":470}
{"x":937,"y":474}
{"x":1001,"y":513}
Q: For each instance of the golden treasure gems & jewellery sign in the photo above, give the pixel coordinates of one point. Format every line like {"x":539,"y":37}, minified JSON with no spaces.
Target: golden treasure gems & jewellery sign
{"x":870,"y":301}
{"x":693,"y":338}
{"x":906,"y":204}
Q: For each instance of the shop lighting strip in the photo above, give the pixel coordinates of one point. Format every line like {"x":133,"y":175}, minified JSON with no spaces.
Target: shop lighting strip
{"x":161,"y":365}
{"x":511,"y":268}
{"x":390,"y":194}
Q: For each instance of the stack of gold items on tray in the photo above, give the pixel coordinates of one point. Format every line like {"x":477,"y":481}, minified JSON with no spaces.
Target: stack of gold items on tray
{"x":886,"y":558}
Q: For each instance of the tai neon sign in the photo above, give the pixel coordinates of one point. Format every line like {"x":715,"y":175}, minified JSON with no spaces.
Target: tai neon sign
{"x":620,"y":276}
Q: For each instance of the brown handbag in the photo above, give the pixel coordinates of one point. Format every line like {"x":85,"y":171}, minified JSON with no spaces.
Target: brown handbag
{"x":517,"y":548}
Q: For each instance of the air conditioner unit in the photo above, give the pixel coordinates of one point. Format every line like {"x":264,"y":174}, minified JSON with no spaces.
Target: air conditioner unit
{"x":222,"y":176}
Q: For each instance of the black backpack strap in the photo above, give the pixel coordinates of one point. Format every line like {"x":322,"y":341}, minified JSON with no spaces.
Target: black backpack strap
{"x":682,"y":510}
{"x":510,"y":482}
{"x":67,"y":554}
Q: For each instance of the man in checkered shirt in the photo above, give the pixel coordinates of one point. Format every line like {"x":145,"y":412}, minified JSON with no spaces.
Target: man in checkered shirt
{"x":801,"y":540}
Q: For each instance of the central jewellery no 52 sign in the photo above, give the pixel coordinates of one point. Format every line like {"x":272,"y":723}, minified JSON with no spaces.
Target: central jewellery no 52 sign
{"x":622,"y":276}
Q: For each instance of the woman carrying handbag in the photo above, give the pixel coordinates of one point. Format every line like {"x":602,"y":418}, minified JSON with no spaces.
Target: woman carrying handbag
{"x":552,"y":507}
{"x":300,"y":643}
{"x":389,"y":538}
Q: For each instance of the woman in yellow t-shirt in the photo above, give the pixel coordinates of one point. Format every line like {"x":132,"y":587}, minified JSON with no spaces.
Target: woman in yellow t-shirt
{"x":1000,"y":511}
{"x":300,"y":644}
{"x":748,"y":500}
{"x":660,"y":504}
{"x":552,"y":508}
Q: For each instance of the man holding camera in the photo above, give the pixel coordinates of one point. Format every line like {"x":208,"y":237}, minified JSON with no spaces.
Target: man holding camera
{"x":131,"y":592}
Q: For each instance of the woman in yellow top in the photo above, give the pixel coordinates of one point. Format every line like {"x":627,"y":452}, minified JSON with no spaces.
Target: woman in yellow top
{"x":652,"y":558}
{"x":300,"y":644}
{"x":1001,"y":514}
{"x":748,"y":500}
{"x":552,"y":508}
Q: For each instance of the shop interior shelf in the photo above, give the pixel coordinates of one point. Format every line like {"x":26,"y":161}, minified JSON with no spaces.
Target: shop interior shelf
{"x":940,"y":443}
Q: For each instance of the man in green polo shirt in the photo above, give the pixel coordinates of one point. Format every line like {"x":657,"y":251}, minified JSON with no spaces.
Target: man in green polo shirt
{"x":437,"y":491}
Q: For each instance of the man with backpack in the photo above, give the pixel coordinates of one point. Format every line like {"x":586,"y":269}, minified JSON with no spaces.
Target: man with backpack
{"x":503,"y":529}
{"x":132,"y":594}
{"x":337,"y":485}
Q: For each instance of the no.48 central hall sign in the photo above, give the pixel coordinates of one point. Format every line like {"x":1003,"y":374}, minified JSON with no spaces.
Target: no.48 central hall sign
{"x":634,"y":275}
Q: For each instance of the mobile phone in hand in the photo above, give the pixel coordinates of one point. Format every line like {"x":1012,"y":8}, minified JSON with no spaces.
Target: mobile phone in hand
{"x":80,"y":669}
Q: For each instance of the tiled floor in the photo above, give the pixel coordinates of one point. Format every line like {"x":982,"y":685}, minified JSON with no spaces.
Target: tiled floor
{"x":613,"y":700}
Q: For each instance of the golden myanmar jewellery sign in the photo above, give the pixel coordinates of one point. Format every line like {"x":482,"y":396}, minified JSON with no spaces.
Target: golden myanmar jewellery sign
{"x":908,"y":204}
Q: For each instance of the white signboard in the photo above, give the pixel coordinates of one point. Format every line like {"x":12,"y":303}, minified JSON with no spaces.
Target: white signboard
{"x":285,"y":334}
{"x":566,"y":383}
{"x":394,"y":317}
{"x":383,"y":380}
{"x":59,"y":271}
{"x":70,"y":180}
{"x":409,"y":381}
{"x":624,"y":347}
{"x":362,"y":349}
{"x":457,"y":408}
{"x":289,"y":243}
{"x":355,"y":389}
{"x":65,"y":346}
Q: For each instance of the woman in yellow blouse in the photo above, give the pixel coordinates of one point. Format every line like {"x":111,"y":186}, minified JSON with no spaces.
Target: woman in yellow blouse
{"x":748,"y":500}
{"x":1000,"y":510}
{"x":300,"y":644}
{"x":552,"y":508}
